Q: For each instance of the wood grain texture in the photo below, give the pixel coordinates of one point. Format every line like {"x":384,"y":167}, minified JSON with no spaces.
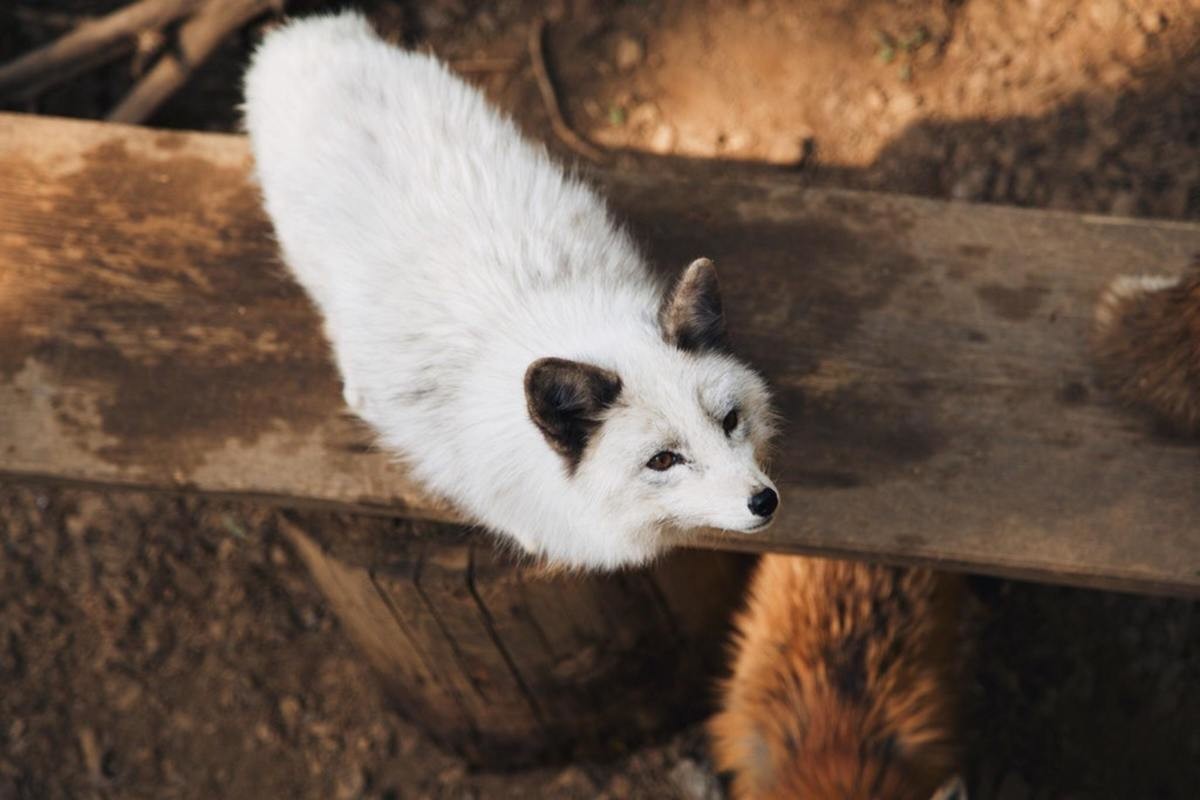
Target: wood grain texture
{"x":509,"y":663}
{"x":930,"y":359}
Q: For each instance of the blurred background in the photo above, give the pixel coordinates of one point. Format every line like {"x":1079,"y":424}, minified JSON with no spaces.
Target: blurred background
{"x":161,"y":647}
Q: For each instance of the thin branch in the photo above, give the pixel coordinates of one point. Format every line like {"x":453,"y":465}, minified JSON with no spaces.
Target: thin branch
{"x":101,"y":39}
{"x":541,"y":73}
{"x":198,"y":38}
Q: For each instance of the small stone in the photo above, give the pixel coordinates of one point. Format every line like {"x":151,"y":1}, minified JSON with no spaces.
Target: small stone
{"x":629,"y":53}
{"x":662,"y":141}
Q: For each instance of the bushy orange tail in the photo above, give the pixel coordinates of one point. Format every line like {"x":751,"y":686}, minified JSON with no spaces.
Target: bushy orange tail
{"x":845,"y":684}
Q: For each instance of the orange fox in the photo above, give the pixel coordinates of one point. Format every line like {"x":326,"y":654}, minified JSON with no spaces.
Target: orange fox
{"x":845,"y":684}
{"x":1148,"y":344}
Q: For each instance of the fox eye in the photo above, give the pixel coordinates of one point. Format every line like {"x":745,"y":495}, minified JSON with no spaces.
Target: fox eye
{"x":731,"y":422}
{"x":663,"y":461}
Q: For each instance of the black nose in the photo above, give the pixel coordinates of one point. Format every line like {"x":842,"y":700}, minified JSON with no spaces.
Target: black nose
{"x":764,"y":503}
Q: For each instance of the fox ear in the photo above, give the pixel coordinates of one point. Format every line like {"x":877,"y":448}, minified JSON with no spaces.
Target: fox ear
{"x":691,"y":317}
{"x":565,"y":399}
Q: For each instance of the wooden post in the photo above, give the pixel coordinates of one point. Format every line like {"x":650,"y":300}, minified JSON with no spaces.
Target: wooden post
{"x":509,"y":663}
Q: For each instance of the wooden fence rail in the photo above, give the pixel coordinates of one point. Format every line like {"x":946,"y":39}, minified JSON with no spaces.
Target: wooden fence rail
{"x":929,"y":358}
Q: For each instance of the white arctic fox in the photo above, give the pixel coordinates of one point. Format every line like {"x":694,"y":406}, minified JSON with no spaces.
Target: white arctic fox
{"x":489,"y":319}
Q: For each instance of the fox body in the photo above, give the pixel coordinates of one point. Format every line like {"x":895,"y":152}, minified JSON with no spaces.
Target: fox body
{"x":844,"y":684}
{"x":1148,"y":344}
{"x":489,"y":320}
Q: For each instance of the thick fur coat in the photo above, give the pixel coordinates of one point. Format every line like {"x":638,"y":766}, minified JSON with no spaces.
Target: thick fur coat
{"x":490,"y":321}
{"x":1148,"y":343}
{"x":845,"y":684}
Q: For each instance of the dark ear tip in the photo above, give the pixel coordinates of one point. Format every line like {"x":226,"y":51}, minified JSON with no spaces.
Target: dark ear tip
{"x":541,"y":367}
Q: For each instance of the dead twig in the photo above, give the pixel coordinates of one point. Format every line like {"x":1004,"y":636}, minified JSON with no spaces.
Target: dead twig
{"x":198,"y":38}
{"x":92,"y":42}
{"x":541,"y":73}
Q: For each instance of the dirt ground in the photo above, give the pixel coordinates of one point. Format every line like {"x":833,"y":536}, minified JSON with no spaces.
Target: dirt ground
{"x":161,"y":647}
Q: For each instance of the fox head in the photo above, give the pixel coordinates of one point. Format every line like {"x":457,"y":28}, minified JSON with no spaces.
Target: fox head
{"x":668,"y":435}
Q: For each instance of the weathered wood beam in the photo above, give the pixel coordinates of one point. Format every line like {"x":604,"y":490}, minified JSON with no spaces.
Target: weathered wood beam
{"x":929,"y":358}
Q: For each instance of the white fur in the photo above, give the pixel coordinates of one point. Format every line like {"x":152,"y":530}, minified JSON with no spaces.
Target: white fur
{"x":447,"y":254}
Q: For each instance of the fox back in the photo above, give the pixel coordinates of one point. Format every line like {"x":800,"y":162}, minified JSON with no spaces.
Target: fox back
{"x":490,"y":321}
{"x":844,"y":684}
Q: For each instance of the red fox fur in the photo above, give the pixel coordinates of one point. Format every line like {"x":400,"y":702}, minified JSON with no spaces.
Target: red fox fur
{"x":845,"y":684}
{"x":1148,"y":343}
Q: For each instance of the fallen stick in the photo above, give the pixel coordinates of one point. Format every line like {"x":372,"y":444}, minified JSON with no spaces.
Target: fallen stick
{"x":541,"y":73}
{"x":92,"y":42}
{"x":198,"y":37}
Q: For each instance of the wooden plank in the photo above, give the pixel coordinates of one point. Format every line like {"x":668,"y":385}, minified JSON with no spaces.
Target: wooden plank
{"x":929,"y":358}
{"x":418,"y":686}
